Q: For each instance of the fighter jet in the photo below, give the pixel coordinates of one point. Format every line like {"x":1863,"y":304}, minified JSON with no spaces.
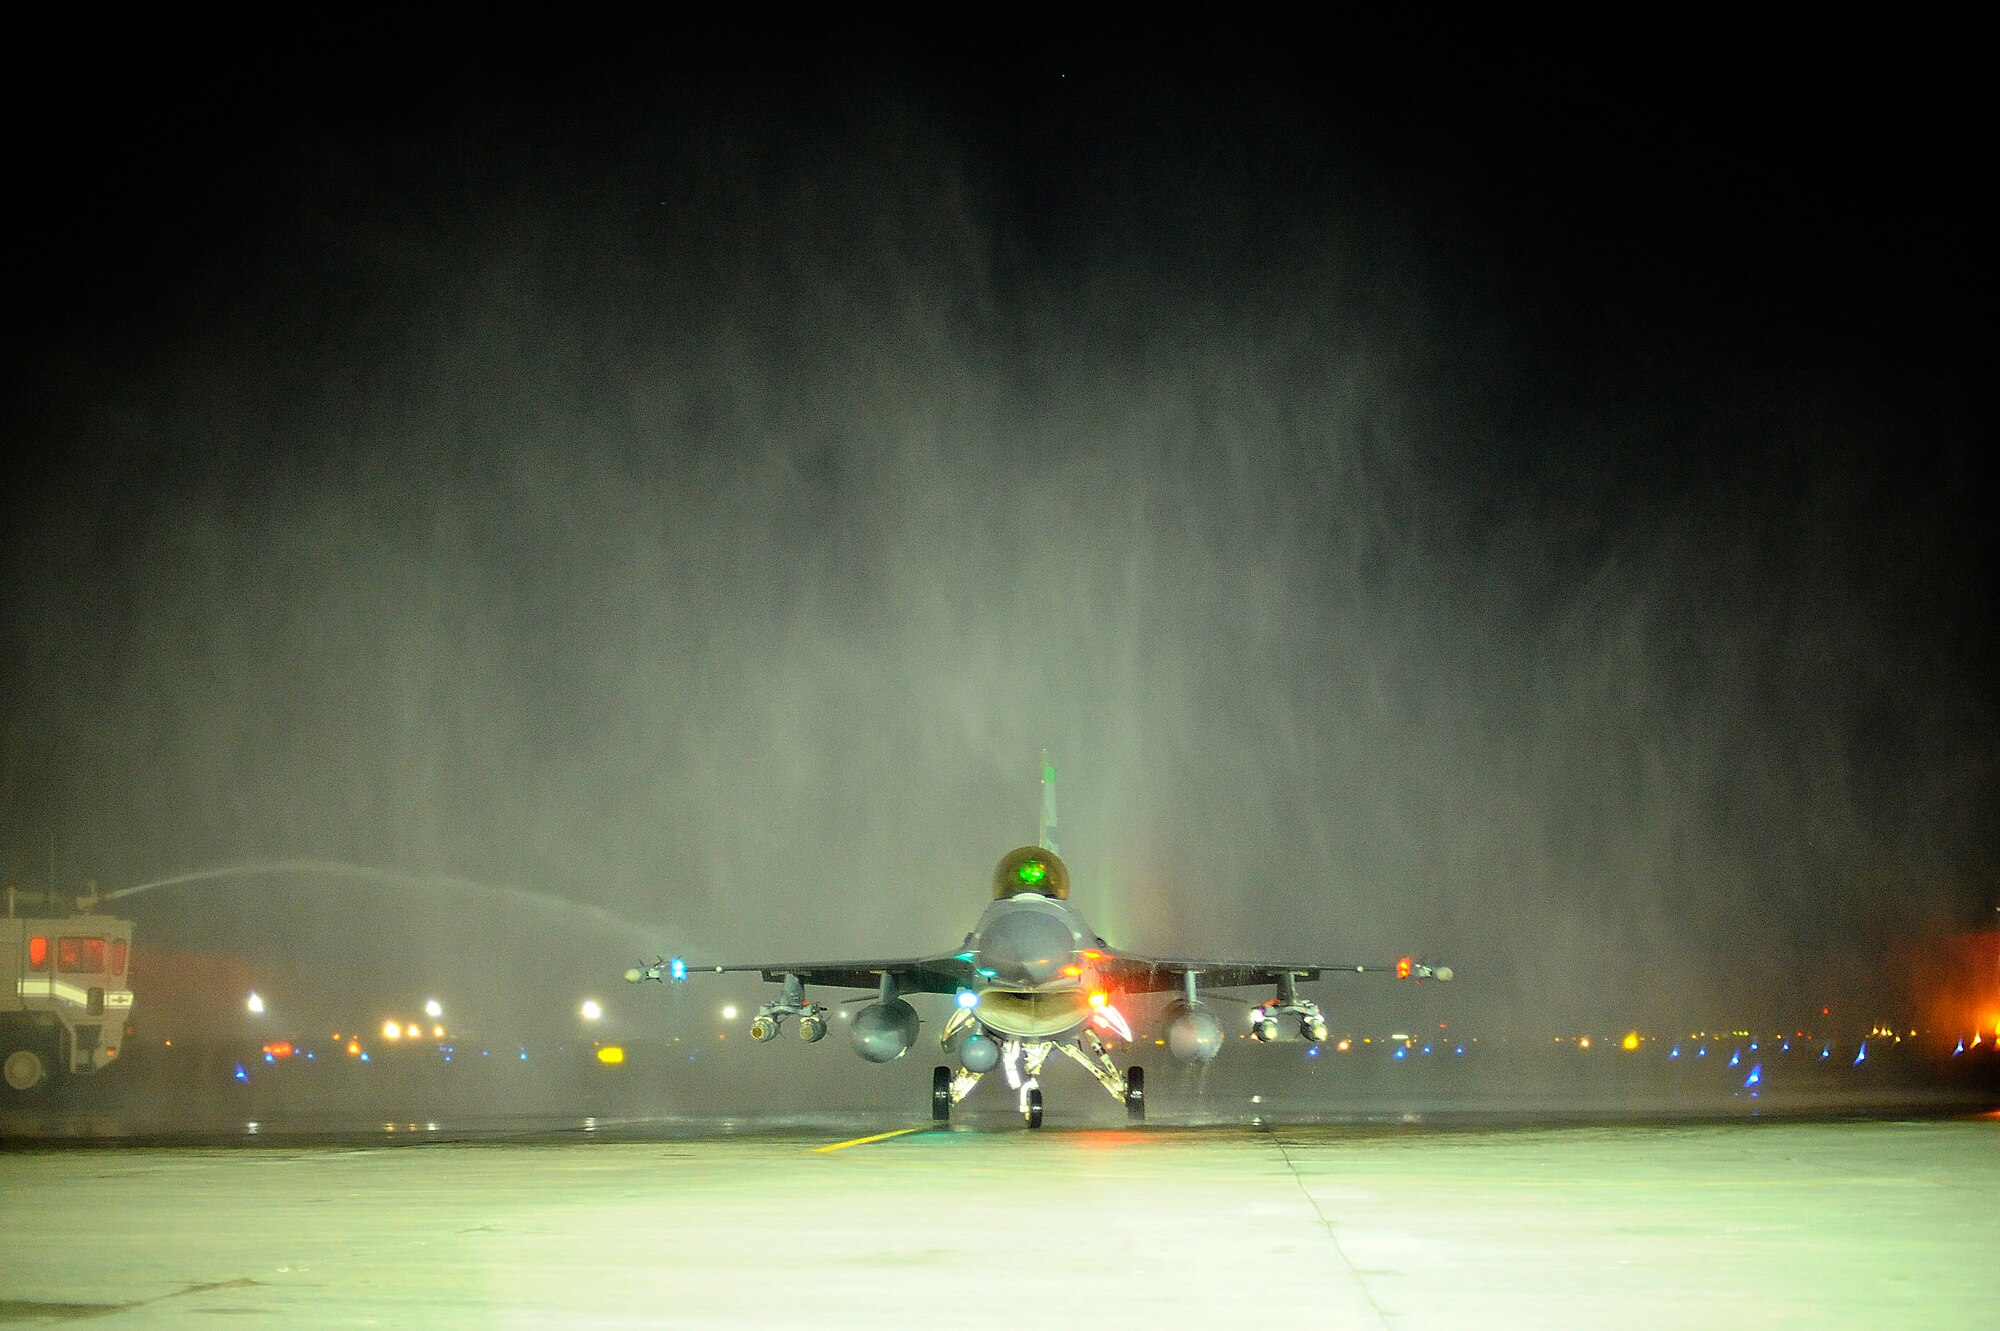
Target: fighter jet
{"x":1033,"y":978}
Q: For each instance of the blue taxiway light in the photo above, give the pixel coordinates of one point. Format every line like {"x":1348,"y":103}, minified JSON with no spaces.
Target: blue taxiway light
{"x":1756,"y":1075}
{"x":1676,"y":1053}
{"x":1862,"y":1056}
{"x":1459,"y":1050}
{"x":1313,"y":1052}
{"x":1701,"y":1052}
{"x":240,"y":1074}
{"x":1400,"y":1052}
{"x":1735,"y":1057}
{"x":1961,"y":1047}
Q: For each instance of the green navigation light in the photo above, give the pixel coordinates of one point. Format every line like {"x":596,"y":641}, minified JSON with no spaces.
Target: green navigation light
{"x":1034,"y":871}
{"x":1048,"y":772}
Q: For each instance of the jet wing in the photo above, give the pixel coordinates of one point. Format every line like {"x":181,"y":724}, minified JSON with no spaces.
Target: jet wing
{"x":1134,"y":974}
{"x":944,"y":974}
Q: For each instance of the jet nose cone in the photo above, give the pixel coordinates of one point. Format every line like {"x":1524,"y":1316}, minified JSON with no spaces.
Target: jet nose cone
{"x":1025,"y":949}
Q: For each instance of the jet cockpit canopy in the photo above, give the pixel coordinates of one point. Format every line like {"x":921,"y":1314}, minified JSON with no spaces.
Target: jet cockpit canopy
{"x":1031,"y":869}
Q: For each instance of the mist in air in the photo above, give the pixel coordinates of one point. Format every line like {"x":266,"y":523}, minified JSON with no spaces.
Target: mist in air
{"x":706,"y":514}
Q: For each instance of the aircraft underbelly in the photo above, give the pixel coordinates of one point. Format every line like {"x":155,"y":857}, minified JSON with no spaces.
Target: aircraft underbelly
{"x":1032,"y":1016}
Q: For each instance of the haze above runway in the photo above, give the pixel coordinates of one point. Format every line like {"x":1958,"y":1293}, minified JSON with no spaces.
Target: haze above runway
{"x":1749,"y":1222}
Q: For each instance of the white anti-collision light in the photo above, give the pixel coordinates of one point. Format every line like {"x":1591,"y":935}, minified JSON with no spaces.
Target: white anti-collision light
{"x":967,"y":999}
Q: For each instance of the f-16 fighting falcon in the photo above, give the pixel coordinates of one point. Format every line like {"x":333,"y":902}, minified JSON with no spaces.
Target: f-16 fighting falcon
{"x":1033,"y":978}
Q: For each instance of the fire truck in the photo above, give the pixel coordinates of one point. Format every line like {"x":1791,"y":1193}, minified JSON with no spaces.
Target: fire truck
{"x":65,"y":996}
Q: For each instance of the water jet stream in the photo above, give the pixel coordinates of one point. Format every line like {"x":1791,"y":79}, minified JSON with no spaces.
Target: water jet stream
{"x":635,"y":934}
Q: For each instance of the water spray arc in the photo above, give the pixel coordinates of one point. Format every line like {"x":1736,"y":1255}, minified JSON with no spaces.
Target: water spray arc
{"x":391,"y":878}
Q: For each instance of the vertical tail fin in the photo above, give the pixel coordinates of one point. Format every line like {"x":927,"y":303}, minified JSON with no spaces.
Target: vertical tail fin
{"x":1048,"y":841}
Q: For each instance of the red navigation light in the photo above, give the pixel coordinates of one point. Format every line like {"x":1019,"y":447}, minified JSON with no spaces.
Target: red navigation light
{"x":38,"y":954}
{"x":1403,"y":969}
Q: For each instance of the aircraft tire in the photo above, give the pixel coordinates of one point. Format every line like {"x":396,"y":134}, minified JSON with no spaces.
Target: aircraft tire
{"x":940,"y":1094}
{"x":1135,"y":1094}
{"x":1035,"y":1107}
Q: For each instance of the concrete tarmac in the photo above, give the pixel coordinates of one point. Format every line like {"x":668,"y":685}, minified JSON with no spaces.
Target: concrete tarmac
{"x":1742,"y":1222}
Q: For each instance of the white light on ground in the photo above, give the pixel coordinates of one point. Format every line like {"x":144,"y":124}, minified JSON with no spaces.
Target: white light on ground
{"x":256,"y":1003}
{"x":591,"y":1010}
{"x":433,"y":1008}
{"x":729,"y":1013}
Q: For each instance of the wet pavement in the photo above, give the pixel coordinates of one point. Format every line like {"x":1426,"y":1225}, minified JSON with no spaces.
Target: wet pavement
{"x":822,"y":1221}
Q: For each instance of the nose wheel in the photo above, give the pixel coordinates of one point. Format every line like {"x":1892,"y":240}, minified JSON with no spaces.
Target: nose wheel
{"x":940,"y":1094}
{"x":1032,"y":1106}
{"x":1135,"y":1095}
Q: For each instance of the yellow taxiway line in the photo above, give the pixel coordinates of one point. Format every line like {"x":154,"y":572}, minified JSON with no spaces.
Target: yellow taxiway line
{"x":863,"y":1141}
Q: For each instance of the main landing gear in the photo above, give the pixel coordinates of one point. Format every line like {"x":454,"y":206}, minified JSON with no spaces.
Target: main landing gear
{"x":1023,"y":1064}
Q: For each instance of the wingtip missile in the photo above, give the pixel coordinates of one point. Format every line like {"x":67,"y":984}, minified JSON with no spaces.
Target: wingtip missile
{"x":659,"y":968}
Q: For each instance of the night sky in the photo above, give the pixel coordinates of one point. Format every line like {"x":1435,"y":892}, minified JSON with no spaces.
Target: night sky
{"x":1531,"y":516}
